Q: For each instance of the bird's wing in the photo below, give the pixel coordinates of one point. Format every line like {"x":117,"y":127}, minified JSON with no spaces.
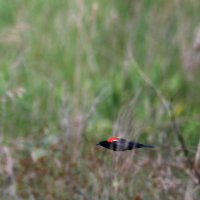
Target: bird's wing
{"x":111,"y":139}
{"x":119,"y":145}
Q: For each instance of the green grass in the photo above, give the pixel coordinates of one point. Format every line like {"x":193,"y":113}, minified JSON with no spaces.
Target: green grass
{"x":69,"y":68}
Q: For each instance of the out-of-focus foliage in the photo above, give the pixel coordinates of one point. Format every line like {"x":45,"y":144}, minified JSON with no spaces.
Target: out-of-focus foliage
{"x":75,"y":72}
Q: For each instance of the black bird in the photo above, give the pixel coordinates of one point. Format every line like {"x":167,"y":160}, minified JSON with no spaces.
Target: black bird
{"x":121,"y":144}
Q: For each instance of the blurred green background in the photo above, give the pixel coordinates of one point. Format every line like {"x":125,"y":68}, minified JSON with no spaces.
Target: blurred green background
{"x":68,"y":70}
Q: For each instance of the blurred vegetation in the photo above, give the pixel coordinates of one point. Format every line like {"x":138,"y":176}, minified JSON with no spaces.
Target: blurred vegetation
{"x":71,"y":72}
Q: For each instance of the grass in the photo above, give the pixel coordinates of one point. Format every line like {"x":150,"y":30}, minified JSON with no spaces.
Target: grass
{"x":75,"y":72}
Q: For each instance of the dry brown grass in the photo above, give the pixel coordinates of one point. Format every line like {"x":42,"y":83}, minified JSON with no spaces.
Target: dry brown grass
{"x":73,"y":167}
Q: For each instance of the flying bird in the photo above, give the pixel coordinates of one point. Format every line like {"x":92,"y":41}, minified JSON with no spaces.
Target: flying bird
{"x":121,"y":144}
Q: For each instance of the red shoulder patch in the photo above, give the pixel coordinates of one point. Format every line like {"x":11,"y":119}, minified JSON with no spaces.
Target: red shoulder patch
{"x":111,"y":139}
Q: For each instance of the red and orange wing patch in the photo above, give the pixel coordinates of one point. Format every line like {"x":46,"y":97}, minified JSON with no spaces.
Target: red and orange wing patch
{"x":111,"y":139}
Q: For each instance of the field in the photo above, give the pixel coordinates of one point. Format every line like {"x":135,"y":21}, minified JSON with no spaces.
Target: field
{"x":75,"y":72}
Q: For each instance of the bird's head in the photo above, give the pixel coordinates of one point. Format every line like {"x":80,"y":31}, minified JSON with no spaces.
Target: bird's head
{"x":103,"y":143}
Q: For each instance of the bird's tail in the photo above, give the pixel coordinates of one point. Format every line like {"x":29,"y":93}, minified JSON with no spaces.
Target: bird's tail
{"x":148,"y":146}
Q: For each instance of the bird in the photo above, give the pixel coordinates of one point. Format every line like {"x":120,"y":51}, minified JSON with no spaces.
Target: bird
{"x":121,"y":144}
